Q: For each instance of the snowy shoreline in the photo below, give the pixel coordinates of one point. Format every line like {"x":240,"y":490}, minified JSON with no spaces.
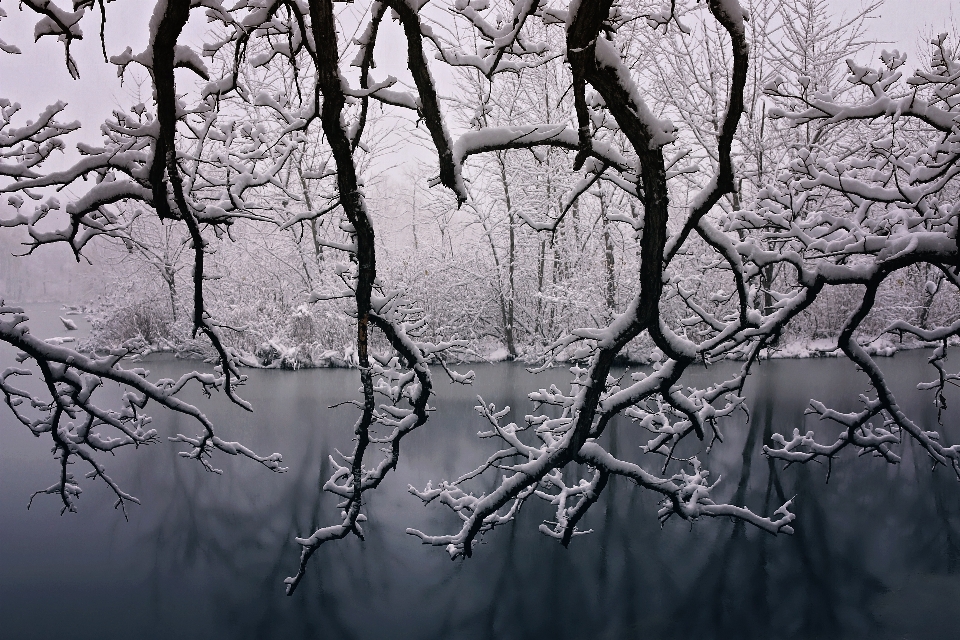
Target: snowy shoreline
{"x":274,"y":355}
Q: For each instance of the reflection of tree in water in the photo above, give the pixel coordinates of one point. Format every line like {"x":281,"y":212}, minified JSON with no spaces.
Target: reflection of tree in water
{"x":936,"y":549}
{"x":945,"y":499}
{"x":628,"y":579}
{"x":856,"y":538}
{"x":220,"y":538}
{"x":804,"y":586}
{"x":532,"y":587}
{"x":528,"y":588}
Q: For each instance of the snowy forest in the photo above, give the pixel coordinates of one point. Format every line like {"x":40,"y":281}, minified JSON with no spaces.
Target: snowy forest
{"x":630,"y":191}
{"x":534,"y":251}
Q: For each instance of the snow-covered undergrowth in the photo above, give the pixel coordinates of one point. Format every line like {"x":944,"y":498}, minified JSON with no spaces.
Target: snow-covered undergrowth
{"x":277,"y":336}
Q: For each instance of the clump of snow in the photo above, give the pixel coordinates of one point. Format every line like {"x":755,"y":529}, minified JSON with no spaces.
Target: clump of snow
{"x":499,"y":355}
{"x":819,"y":348}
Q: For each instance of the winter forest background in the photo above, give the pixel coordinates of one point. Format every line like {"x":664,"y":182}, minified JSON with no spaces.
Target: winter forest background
{"x":498,"y":272}
{"x":637,"y":192}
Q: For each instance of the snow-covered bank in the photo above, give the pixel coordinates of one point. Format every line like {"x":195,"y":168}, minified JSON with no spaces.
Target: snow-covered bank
{"x":275,"y":354}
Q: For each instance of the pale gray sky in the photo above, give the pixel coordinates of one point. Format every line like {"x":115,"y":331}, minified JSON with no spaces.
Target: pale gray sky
{"x":901,"y":21}
{"x":38,"y":77}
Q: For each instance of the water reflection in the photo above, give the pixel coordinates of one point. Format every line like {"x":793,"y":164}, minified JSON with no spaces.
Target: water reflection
{"x":875,"y":554}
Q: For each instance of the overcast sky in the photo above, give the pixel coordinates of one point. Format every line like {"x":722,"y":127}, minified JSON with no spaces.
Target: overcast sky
{"x":39,"y":77}
{"x":908,"y":24}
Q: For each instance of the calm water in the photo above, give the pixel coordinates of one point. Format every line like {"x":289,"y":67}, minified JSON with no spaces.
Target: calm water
{"x":876,"y":552}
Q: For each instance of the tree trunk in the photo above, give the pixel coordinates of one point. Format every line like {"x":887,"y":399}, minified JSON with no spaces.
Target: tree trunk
{"x":168,"y":275}
{"x":508,"y":329}
{"x":611,"y":284}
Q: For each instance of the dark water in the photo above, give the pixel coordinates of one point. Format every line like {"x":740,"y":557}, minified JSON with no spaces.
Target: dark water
{"x":876,"y":552}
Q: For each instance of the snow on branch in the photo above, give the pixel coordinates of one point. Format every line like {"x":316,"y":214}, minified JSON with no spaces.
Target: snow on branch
{"x":726,"y":261}
{"x":80,"y":427}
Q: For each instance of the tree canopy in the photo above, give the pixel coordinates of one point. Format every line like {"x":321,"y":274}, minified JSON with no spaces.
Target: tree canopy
{"x":690,"y":182}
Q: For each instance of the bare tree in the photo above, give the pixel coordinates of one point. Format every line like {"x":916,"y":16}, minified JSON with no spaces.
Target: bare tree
{"x":828,"y":221}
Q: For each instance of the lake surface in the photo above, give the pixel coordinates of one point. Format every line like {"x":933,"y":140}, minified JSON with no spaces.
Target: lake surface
{"x":876,"y":552}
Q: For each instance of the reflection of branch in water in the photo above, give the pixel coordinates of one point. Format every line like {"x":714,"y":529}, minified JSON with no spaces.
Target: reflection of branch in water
{"x":735,"y":583}
{"x":943,"y":489}
{"x":632,"y":577}
{"x":617,"y":536}
{"x":497,"y":604}
{"x":950,"y":528}
{"x":822,"y":563}
{"x":70,"y":409}
{"x":734,"y":575}
{"x":509,"y":601}
{"x":220,"y":541}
